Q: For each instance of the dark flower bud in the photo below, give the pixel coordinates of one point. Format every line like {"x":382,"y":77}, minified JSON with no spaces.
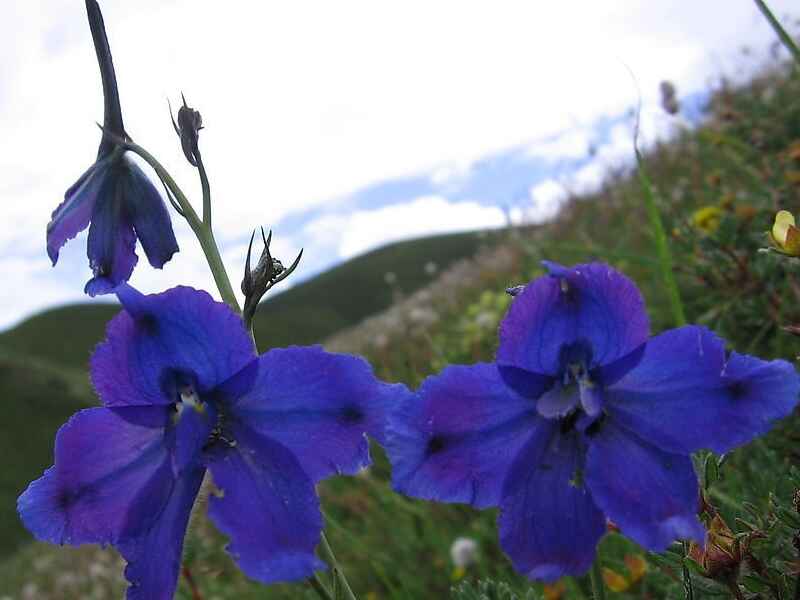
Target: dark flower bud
{"x":188,"y":129}
{"x":669,"y":99}
{"x":268,"y":272}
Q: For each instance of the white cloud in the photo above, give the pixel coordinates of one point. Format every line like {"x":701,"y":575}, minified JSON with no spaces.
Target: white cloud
{"x":306,"y":101}
{"x":360,"y":231}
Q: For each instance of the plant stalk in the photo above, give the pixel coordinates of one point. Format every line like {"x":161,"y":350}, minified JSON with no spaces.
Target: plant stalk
{"x":598,"y":588}
{"x":201,"y":229}
{"x":785,"y":38}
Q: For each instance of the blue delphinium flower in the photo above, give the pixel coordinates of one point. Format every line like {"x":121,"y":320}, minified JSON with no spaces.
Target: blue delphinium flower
{"x":182,"y":392}
{"x":583,"y":418}
{"x":113,"y":194}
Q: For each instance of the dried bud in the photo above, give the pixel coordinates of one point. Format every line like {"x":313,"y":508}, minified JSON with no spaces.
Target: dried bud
{"x":268,"y":272}
{"x":669,"y":100}
{"x":188,"y":129}
{"x":723,"y":553}
{"x":514,"y":290}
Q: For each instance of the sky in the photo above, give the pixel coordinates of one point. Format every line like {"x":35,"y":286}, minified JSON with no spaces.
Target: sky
{"x":345,"y":125}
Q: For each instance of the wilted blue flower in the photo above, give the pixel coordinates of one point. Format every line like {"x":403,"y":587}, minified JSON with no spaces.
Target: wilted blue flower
{"x":113,"y":194}
{"x":582,"y":418}
{"x":182,"y":392}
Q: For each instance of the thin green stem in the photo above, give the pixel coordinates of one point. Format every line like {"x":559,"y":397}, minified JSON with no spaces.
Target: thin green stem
{"x":318,"y":586}
{"x":206,"y":191}
{"x":598,"y":588}
{"x":662,"y":245}
{"x":201,"y":229}
{"x":785,"y":38}
{"x":330,"y":558}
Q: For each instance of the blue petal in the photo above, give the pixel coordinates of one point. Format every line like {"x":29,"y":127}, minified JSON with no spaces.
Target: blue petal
{"x":268,"y":508}
{"x":111,"y":244}
{"x":154,"y":558}
{"x":591,"y":307}
{"x":161,"y":340}
{"x":650,"y":494}
{"x":456,"y":439}
{"x":149,"y":216}
{"x":112,"y":475}
{"x":192,"y":431}
{"x":73,"y":215}
{"x":317,"y":404}
{"x":549,"y":524}
{"x":684,"y":396}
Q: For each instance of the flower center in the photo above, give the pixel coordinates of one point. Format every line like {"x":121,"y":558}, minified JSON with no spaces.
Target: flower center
{"x":189,"y":400}
{"x":574,"y":391}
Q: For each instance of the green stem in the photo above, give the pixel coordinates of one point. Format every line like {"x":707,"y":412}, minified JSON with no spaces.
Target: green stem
{"x":330,"y":558}
{"x":201,"y":229}
{"x":206,"y":191}
{"x":598,"y":588}
{"x":662,"y":245}
{"x":321,"y":590}
{"x":785,"y":38}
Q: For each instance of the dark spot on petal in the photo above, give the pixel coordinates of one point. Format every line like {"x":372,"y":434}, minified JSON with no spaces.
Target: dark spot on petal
{"x":147,"y":324}
{"x":352,"y":414}
{"x":738,"y":389}
{"x":436,"y":444}
{"x":67,"y":497}
{"x":567,"y":423}
{"x":595,"y":427}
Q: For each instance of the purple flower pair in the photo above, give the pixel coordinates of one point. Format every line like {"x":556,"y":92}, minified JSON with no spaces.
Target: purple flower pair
{"x":184,"y":392}
{"x":583,"y":418}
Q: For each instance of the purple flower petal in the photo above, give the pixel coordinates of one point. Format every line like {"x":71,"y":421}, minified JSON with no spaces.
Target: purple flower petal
{"x":181,"y":336}
{"x":590,"y":306}
{"x":269,"y":509}
{"x":455,"y":440}
{"x":154,"y":558}
{"x":684,"y":396}
{"x":549,"y":524}
{"x":317,"y":404}
{"x":112,"y":243}
{"x":149,"y":216}
{"x":650,"y":494}
{"x":111,"y":478}
{"x":73,"y":215}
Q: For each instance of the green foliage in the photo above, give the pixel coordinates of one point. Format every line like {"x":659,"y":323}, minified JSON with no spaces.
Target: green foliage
{"x":489,"y":590}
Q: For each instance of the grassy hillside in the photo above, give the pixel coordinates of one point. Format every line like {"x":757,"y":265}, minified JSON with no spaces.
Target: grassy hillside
{"x":37,"y":399}
{"x":304,"y":314}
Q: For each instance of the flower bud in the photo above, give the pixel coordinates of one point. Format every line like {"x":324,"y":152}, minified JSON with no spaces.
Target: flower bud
{"x":188,"y":129}
{"x":785,"y":236}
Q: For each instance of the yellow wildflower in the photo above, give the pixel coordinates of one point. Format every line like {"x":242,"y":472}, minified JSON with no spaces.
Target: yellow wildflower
{"x":707,"y":218}
{"x":637,"y":567}
{"x":614,"y":581}
{"x":785,"y":236}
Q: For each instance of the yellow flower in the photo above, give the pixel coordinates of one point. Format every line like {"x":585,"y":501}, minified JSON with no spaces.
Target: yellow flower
{"x":637,"y":567}
{"x":614,"y":581}
{"x":555,"y":590}
{"x":707,"y":218}
{"x":785,"y":236}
